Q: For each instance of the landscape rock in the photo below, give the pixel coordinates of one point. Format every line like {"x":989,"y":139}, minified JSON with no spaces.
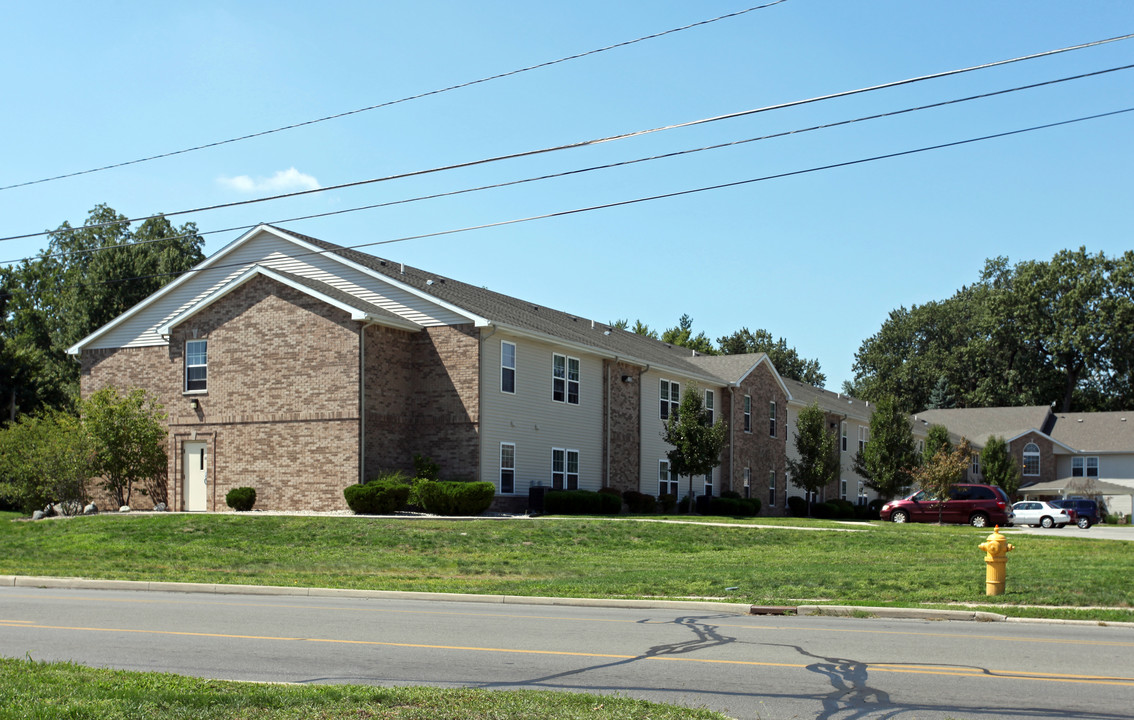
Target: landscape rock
{"x":124,"y":508}
{"x":90,"y":509}
{"x":160,"y":507}
{"x":38,"y":515}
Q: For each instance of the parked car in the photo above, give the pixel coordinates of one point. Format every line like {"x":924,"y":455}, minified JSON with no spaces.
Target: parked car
{"x":1088,"y":511}
{"x":1038,"y":513}
{"x":977,"y":505}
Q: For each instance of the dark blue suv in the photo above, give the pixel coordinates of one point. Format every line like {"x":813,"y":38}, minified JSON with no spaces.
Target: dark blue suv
{"x":1088,"y":510}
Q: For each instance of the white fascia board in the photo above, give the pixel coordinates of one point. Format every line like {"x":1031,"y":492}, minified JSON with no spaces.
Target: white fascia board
{"x":257,"y":270}
{"x":477,"y":320}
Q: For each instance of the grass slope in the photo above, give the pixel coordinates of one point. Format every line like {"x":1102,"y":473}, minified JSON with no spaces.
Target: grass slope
{"x":883,"y":564}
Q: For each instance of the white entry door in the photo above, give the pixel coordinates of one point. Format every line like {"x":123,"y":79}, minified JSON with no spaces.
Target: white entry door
{"x":195,"y":465}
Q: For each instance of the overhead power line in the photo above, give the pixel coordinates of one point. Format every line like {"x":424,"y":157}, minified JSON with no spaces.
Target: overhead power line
{"x":586,"y":143}
{"x":651,"y":198}
{"x":607,"y":166}
{"x":398,"y":101}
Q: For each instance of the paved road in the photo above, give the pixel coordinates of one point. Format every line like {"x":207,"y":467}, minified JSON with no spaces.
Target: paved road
{"x":744,"y":666}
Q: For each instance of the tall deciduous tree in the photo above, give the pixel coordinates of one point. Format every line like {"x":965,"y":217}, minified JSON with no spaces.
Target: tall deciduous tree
{"x":129,"y":438}
{"x":785,"y":359}
{"x":46,"y":458}
{"x":83,"y":280}
{"x":1000,"y":468}
{"x":696,"y":442}
{"x":818,"y":463}
{"x":888,"y":459}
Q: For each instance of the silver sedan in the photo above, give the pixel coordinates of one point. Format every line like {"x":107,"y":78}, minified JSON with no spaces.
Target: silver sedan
{"x":1039,"y":514}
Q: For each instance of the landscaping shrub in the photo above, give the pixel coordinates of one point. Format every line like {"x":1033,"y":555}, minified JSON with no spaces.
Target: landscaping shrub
{"x":797,"y":506}
{"x":241,"y":499}
{"x":640,"y":503}
{"x":668,"y":503}
{"x":731,"y":494}
{"x":381,"y":496}
{"x":733,"y":507}
{"x":424,"y":467}
{"x":581,"y":502}
{"x":455,"y":498}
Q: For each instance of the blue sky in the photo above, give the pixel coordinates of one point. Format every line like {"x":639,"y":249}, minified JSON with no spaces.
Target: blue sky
{"x":818,"y":258}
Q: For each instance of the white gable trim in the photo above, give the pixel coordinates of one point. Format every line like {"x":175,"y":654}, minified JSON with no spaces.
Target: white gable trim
{"x":217,"y":257}
{"x":260,"y":270}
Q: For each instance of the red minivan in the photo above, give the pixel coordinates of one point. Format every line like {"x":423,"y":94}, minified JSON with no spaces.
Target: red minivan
{"x":977,"y":505}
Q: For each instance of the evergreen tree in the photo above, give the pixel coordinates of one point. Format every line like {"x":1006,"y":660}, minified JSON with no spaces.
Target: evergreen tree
{"x":1000,"y":468}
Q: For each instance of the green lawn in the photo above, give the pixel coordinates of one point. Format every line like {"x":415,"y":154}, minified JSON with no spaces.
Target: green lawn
{"x":43,"y":691}
{"x":882,"y":564}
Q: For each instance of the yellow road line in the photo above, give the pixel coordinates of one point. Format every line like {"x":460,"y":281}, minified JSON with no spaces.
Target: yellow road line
{"x":881,"y":667}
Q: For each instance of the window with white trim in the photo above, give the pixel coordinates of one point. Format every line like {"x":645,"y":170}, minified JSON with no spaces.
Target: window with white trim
{"x":667,"y":479}
{"x":843,"y":436}
{"x":842,"y":489}
{"x":710,"y":406}
{"x":670,"y":398}
{"x":1085,"y":466}
{"x":747,"y":482}
{"x":565,"y":379}
{"x":861,"y":493}
{"x":1031,"y":460}
{"x":976,"y":464}
{"x":564,"y":469}
{"x":772,"y":419}
{"x":747,"y":413}
{"x":507,"y":467}
{"x":507,"y":367}
{"x":709,"y":484}
{"x":196,"y":365}
{"x":863,"y":436}
{"x":772,"y":488}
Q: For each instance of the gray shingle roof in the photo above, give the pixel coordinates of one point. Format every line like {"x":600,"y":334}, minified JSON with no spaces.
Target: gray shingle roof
{"x":1095,"y":432}
{"x":833,"y":402}
{"x":978,"y":424}
{"x":524,"y":315}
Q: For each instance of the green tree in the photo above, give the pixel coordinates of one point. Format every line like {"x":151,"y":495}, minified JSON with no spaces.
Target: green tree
{"x":83,"y":280}
{"x":45,"y":459}
{"x":1000,"y":468}
{"x":818,"y":463}
{"x":640,"y":328}
{"x":785,"y":359}
{"x":129,"y":437}
{"x":936,"y":440}
{"x":888,"y":459}
{"x":943,"y":470}
{"x":683,"y":335}
{"x":697,"y":444}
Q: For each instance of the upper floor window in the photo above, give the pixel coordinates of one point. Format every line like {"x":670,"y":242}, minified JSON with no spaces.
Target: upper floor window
{"x":196,"y":365}
{"x":507,"y":367}
{"x":507,"y":467}
{"x":710,"y":411}
{"x":747,"y":413}
{"x":1085,"y":467}
{"x":843,"y":436}
{"x":564,"y":469}
{"x":670,"y":398}
{"x":772,"y":419}
{"x":863,"y":436}
{"x":1031,"y":459}
{"x":565,"y":379}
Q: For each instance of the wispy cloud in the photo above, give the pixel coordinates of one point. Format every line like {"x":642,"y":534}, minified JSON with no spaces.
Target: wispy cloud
{"x":283,"y":181}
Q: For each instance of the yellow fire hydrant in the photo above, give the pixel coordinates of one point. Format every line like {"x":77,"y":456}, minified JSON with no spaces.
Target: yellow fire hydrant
{"x":996,"y":549}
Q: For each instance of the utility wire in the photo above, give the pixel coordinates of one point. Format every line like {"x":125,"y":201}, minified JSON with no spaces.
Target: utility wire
{"x":396,"y":102}
{"x":586,"y":143}
{"x":607,"y":166}
{"x":634,"y":201}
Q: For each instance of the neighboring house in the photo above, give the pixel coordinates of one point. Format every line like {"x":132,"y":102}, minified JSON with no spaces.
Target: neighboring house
{"x":299,"y":367}
{"x":1063,"y":454}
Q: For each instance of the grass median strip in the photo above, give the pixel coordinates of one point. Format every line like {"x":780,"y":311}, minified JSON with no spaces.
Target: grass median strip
{"x":31,"y":689}
{"x":580,"y":557}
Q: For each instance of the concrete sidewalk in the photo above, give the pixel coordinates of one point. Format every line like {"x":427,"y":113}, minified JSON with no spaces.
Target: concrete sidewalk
{"x":690,"y":605}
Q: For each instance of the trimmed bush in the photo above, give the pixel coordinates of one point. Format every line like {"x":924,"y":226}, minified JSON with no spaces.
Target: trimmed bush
{"x":581,"y":502}
{"x":733,"y":507}
{"x":378,"y":497}
{"x":797,"y":506}
{"x":455,"y":498}
{"x":668,"y":503}
{"x":640,"y":503}
{"x":241,"y":499}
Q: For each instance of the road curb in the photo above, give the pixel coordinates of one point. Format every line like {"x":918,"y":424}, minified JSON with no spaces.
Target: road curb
{"x":902,"y":613}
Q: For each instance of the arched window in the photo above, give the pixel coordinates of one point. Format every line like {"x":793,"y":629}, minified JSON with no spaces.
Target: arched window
{"x":1031,"y":459}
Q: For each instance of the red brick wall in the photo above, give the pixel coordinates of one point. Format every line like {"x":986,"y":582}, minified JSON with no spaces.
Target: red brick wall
{"x":757,"y":450}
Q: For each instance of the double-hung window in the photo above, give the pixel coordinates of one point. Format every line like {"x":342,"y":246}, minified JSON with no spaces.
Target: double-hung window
{"x":1085,"y":467}
{"x":1032,"y":460}
{"x":507,"y":467}
{"x":564,"y":469}
{"x":862,"y":437}
{"x":710,"y":402}
{"x":196,"y":365}
{"x":667,"y":479}
{"x":507,"y":367}
{"x":843,"y":436}
{"x":747,"y":482}
{"x":772,"y":419}
{"x":565,"y":379}
{"x":976,"y":464}
{"x":747,"y":413}
{"x":771,"y":488}
{"x":670,"y":398}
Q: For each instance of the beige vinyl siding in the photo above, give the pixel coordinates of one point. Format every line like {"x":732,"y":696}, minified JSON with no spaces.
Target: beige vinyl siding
{"x":532,"y":420}
{"x":271,"y":251}
{"x":654,"y":448}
